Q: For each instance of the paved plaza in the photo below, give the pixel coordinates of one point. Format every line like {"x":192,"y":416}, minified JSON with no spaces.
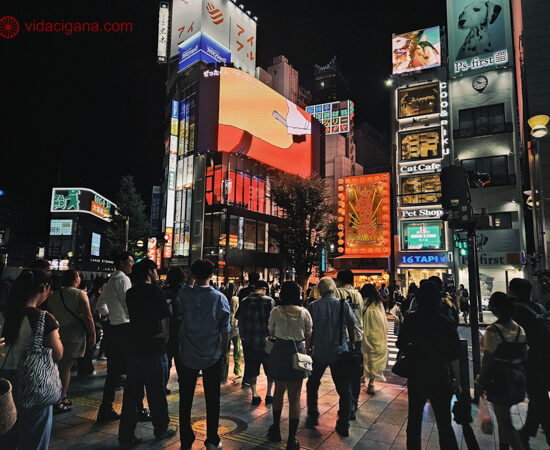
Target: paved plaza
{"x":381,"y":419}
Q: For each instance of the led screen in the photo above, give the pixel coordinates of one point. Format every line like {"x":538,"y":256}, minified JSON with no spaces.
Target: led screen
{"x":425,"y":144}
{"x":418,"y":100}
{"x":421,"y":190}
{"x":335,"y":116}
{"x":61,"y":227}
{"x":256,"y":121}
{"x":416,"y":50}
{"x":423,"y":235}
{"x":96,"y":244}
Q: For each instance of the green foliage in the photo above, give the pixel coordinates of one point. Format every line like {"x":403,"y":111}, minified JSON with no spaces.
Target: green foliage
{"x":306,"y":221}
{"x":132,"y":206}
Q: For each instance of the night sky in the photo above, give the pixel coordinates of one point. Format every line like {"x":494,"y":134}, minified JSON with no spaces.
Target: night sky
{"x":85,"y":109}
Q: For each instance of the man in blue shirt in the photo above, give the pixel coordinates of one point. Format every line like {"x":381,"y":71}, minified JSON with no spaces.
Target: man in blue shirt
{"x":203,"y":334}
{"x":327,"y":336}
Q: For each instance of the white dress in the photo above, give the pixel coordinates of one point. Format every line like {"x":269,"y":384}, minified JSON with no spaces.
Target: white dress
{"x":375,"y":341}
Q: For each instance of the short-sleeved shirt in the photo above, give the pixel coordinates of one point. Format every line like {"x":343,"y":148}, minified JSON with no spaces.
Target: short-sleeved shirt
{"x":355,"y":300}
{"x":325,"y":314}
{"x":435,"y":344}
{"x":205,"y":315}
{"x":253,"y":317}
{"x":290,"y":322}
{"x":147,"y":307}
{"x":492,"y":338}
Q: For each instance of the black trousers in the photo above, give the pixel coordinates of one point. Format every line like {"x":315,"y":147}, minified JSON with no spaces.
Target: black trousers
{"x":355,"y":379}
{"x":538,"y":411}
{"x":211,"y":378}
{"x":440,"y":398}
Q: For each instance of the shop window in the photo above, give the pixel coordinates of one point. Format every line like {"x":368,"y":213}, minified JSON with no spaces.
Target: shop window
{"x":261,"y":196}
{"x":274,"y":239}
{"x":420,"y":190}
{"x":217,"y":184}
{"x":246,"y":195}
{"x":502,"y":221}
{"x":481,"y":121}
{"x":494,"y":166}
{"x":260,"y":239}
{"x":418,"y":100}
{"x":249,"y":234}
{"x":424,"y":144}
{"x":208,"y":230}
{"x":218,"y":227}
{"x":209,"y":185}
{"x":234,"y":232}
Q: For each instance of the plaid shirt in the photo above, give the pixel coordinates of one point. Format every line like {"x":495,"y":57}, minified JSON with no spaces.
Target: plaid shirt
{"x":253,"y":316}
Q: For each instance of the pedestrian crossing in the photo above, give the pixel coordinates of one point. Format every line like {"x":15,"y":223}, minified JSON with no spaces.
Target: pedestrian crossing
{"x":392,"y":349}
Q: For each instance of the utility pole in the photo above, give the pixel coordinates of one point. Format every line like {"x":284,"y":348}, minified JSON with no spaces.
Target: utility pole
{"x":475,"y":299}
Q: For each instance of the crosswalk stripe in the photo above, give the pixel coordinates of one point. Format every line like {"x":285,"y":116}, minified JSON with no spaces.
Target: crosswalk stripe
{"x":392,"y":349}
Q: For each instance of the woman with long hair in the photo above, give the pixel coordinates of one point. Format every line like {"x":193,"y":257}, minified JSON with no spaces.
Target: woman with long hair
{"x":430,"y":342}
{"x":375,"y":336}
{"x":30,"y":290}
{"x":70,"y":306}
{"x":502,"y":377}
{"x":290,"y":325}
{"x":231,"y":293}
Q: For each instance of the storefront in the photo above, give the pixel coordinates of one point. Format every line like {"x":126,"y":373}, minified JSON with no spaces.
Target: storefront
{"x":415,"y":267}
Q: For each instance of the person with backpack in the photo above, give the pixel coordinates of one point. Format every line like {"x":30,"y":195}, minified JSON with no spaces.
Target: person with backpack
{"x":535,"y":320}
{"x":502,"y":376}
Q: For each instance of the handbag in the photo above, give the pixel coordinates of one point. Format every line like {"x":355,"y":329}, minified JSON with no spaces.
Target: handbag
{"x":350,"y":361}
{"x":8,"y":412}
{"x":301,"y":361}
{"x":38,"y":374}
{"x":402,"y":366}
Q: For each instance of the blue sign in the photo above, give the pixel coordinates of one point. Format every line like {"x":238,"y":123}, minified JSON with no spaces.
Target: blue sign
{"x":323,"y":260}
{"x":175,"y":108}
{"x":202,"y":47}
{"x":424,"y":258}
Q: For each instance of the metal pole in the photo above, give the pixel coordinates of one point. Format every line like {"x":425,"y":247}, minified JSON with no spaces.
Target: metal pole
{"x":127,"y":229}
{"x":475,"y":299}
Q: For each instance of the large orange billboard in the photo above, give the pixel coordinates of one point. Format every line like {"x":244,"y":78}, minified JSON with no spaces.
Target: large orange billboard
{"x":256,"y":121}
{"x":364,"y":210}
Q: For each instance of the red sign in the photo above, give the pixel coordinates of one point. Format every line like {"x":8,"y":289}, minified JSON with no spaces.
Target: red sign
{"x":152,"y":249}
{"x":169,"y":235}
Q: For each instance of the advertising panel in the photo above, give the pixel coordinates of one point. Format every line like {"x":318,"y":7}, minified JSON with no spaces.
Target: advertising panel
{"x":152,"y":249}
{"x":425,"y":258}
{"x":367,"y":215}
{"x":63,"y":227}
{"x":420,"y":190}
{"x":416,"y":50}
{"x":95,"y":246}
{"x":223,"y":21}
{"x":256,"y":121}
{"x":168,"y":237}
{"x":201,"y":47}
{"x":420,"y":144}
{"x":423,"y":235}
{"x":418,"y":100}
{"x":81,"y":200}
{"x":480,"y":35}
{"x":162,"y":44}
{"x":335,"y":116}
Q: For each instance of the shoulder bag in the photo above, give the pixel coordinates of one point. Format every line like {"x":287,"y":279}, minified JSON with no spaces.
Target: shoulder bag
{"x":8,"y":412}
{"x":403,"y":363}
{"x":349,"y":361}
{"x":39,"y":382}
{"x":301,"y":361}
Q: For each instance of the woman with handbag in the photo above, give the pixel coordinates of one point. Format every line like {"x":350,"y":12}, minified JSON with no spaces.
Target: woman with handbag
{"x":28,"y":361}
{"x":70,"y":306}
{"x":289,"y":326}
{"x":502,"y":377}
{"x":375,"y":337}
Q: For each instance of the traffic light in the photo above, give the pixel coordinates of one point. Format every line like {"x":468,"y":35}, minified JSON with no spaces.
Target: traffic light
{"x":461,"y":245}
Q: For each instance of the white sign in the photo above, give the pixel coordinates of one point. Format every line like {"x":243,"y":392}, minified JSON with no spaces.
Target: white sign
{"x":444,"y":114}
{"x":422,"y":167}
{"x":170,"y":208}
{"x":164,"y":23}
{"x":426,"y":213}
{"x":173,"y":145}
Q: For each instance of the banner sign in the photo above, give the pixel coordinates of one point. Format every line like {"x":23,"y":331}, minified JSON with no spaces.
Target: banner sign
{"x":81,"y":200}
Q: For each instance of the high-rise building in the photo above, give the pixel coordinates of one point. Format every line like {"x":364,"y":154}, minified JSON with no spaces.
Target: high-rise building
{"x":285,"y":80}
{"x":329,"y":84}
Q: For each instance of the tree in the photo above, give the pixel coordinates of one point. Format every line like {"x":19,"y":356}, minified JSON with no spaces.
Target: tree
{"x":305,"y":223}
{"x":130,"y":205}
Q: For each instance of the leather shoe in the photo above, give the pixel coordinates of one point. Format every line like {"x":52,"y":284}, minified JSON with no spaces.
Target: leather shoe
{"x":312,"y":422}
{"x":106,"y":415}
{"x":274,"y":433}
{"x":268,"y":399}
{"x":143,"y":415}
{"x":342,"y":429}
{"x":256,"y":400}
{"x":168,"y":433}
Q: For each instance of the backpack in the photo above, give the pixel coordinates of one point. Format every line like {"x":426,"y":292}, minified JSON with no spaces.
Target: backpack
{"x":542,"y":334}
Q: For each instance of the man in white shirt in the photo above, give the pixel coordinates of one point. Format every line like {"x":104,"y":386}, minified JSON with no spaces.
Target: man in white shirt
{"x":113,"y":302}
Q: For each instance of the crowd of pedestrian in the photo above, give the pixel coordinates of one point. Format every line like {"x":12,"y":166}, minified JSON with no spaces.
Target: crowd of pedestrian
{"x":52,"y":325}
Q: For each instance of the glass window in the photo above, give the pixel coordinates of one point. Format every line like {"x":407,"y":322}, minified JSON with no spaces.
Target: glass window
{"x":421,"y":190}
{"x":249,"y":234}
{"x":254,"y":195}
{"x":260,"y":239}
{"x":246,"y":195}
{"x":208,"y":230}
{"x":209,"y":184}
{"x":482,"y":120}
{"x":418,"y":100}
{"x":261,"y":196}
{"x":217,"y":184}
{"x":217,"y":228}
{"x":420,"y":145}
{"x":233,"y":187}
{"x":274,"y":238}
{"x":239,"y":189}
{"x":502,"y":221}
{"x":234,"y":232}
{"x":494,"y":166}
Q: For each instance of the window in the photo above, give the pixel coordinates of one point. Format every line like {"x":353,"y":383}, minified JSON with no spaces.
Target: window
{"x":249,"y":234}
{"x":234,"y":232}
{"x":420,"y":190}
{"x":274,"y":236}
{"x":481,"y":121}
{"x":502,"y":221}
{"x":418,"y":100}
{"x":260,"y":240}
{"x":424,"y":144}
{"x":494,"y":166}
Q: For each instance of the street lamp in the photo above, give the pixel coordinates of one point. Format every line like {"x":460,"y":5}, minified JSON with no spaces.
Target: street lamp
{"x":539,"y":130}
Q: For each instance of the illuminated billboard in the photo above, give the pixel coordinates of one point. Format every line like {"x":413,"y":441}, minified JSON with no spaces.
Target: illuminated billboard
{"x":421,"y":190}
{"x":61,"y":227}
{"x":95,"y":245}
{"x":416,"y":50}
{"x":480,"y":35}
{"x":418,"y":100}
{"x":335,"y":116}
{"x":427,"y":235}
{"x":223,"y":21}
{"x":420,"y":144}
{"x":364,"y":209}
{"x":81,"y":200}
{"x":201,"y":47}
{"x":256,"y":121}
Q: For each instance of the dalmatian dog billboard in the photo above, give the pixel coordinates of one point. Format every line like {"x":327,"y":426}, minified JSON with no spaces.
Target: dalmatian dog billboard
{"x":479,"y":35}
